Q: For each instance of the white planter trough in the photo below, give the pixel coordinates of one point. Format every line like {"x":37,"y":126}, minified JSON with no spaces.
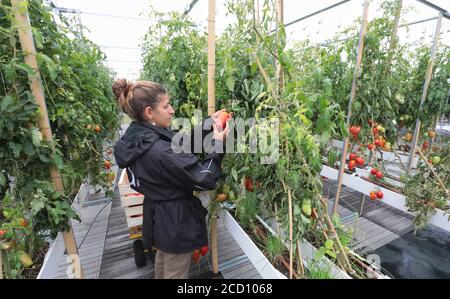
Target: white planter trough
{"x":256,"y":257}
{"x":390,"y":197}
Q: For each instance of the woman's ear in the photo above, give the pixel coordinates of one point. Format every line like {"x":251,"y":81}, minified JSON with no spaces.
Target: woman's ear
{"x":148,"y":113}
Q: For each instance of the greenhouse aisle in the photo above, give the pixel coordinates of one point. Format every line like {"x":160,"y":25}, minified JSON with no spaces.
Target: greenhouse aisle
{"x":424,"y":255}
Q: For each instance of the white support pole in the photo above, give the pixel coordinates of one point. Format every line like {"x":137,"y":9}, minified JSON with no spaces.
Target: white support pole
{"x":362,"y":33}
{"x":426,"y":84}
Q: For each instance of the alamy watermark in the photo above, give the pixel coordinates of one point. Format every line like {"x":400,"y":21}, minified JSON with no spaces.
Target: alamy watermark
{"x":246,"y":136}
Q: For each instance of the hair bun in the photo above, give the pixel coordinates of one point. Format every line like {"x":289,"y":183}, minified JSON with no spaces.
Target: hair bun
{"x":121,"y":87}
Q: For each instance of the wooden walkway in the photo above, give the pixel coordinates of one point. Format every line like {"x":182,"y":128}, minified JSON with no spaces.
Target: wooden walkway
{"x":118,"y":259}
{"x":373,"y":223}
{"x":90,"y":236}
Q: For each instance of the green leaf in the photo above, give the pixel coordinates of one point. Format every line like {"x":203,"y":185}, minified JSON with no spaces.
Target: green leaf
{"x":6,"y":101}
{"x":26,"y":68}
{"x":38,"y":39}
{"x":35,"y":136}
{"x":230,"y":83}
{"x":44,"y":158}
{"x":37,"y":205}
{"x":10,"y":72}
{"x":331,"y":253}
{"x":2,"y":180}
{"x":234,"y":174}
{"x":329,"y":244}
{"x":58,"y":161}
{"x":328,"y":85}
{"x":52,"y":71}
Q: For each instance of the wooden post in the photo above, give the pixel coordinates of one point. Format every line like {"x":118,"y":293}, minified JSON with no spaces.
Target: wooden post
{"x":211,"y":110}
{"x":279,"y":77}
{"x":1,"y":264}
{"x":426,"y":84}
{"x":393,"y":40}
{"x":211,"y":57}
{"x":362,"y":33}
{"x":27,"y":43}
{"x":291,"y":237}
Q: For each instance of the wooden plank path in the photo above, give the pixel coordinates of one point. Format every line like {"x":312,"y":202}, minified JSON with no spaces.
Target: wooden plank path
{"x":118,"y":260}
{"x":377,"y":225}
{"x":90,"y":236}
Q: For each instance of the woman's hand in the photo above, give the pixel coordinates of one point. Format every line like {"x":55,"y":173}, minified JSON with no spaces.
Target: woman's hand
{"x":220,"y":134}
{"x":215,"y":117}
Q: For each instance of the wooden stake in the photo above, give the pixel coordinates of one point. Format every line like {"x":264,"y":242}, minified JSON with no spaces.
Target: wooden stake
{"x":426,"y":84}
{"x":1,"y":264}
{"x":291,"y":230}
{"x":362,"y":33}
{"x":342,"y":256}
{"x":211,"y":57}
{"x":362,"y":205}
{"x":393,"y":40}
{"x":266,"y":78}
{"x":279,"y":76}
{"x":27,"y":43}
{"x":211,"y":110}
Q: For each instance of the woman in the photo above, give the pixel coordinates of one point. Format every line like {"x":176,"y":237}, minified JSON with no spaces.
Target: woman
{"x":174,"y":220}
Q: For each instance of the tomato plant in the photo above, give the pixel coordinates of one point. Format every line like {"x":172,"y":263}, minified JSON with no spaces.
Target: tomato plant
{"x":77,"y":88}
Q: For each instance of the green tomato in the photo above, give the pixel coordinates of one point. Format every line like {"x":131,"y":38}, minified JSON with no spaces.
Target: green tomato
{"x":356,"y":106}
{"x":317,"y":74}
{"x":306,"y":208}
{"x":231,"y":196}
{"x":226,"y":188}
{"x":400,"y":99}
{"x":436,"y":160}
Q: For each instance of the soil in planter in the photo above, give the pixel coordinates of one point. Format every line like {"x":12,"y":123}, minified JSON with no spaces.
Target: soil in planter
{"x":38,"y":259}
{"x":424,"y":255}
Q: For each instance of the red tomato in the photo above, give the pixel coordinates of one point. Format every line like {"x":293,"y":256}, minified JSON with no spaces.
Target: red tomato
{"x":379,"y":174}
{"x":351,"y":164}
{"x":248,"y":184}
{"x":196,"y":256}
{"x":204,"y":250}
{"x":380,"y":194}
{"x":360,"y":161}
{"x":224,"y":117}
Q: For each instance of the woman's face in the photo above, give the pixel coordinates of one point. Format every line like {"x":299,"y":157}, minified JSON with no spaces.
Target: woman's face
{"x":162,"y":114}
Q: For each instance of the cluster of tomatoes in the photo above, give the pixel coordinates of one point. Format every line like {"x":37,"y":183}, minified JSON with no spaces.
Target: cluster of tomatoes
{"x":199,"y":252}
{"x":376,"y":173}
{"x":379,"y":141}
{"x":376,"y":194}
{"x":355,"y":160}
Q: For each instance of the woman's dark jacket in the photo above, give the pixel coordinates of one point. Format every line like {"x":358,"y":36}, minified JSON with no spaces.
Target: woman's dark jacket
{"x":174,"y":220}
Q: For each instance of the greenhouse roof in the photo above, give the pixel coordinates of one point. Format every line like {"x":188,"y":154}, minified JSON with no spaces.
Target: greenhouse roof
{"x":118,"y":28}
